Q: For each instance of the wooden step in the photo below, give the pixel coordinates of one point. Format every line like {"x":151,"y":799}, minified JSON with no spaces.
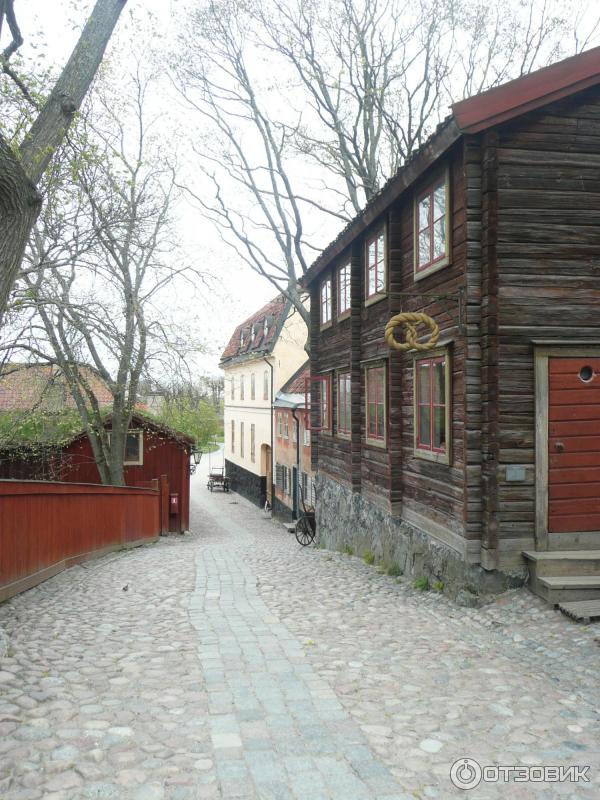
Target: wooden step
{"x":582,"y":610}
{"x":564,"y":588}
{"x":563,"y":562}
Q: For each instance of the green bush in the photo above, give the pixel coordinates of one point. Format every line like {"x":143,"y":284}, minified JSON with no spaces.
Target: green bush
{"x":422,"y":584}
{"x":369,"y":557}
{"x":348,"y":550}
{"x":395,"y":570}
{"x":438,"y":586}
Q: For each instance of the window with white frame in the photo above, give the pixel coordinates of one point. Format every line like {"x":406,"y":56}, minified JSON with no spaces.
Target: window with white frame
{"x":252,"y":386}
{"x":266,"y":384}
{"x":241,"y":387}
{"x":134,"y":448}
{"x":232,"y":436}
{"x":242,"y":439}
{"x":306,"y":437}
{"x":253,"y":443}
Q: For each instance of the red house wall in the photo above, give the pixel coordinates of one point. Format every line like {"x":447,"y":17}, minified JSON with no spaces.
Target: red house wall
{"x":162,"y":456}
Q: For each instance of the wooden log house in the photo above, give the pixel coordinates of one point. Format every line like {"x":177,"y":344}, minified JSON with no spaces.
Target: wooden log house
{"x":478,"y":458}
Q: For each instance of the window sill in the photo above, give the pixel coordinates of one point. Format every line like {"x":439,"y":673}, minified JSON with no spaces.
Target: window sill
{"x":376,"y":298}
{"x":380,"y":443}
{"x":342,"y":435}
{"x":427,"y":455}
{"x":325,"y":325}
{"x":344,"y":315}
{"x":430,"y":270}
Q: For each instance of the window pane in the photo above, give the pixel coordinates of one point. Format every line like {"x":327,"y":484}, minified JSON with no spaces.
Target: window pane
{"x":424,"y":379}
{"x":424,"y":206}
{"x":424,"y":426}
{"x":132,"y":447}
{"x":439,"y":238}
{"x":439,"y":382}
{"x":439,"y":428}
{"x":380,"y":279}
{"x":372,"y":285}
{"x":380,"y":248}
{"x":348,"y":403}
{"x":439,"y":201}
{"x":424,"y":247}
{"x":372,"y":427}
{"x":380,"y":418}
{"x":372,"y":251}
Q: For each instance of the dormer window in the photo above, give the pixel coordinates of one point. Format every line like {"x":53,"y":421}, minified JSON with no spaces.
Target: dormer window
{"x":266,"y":326}
{"x":241,"y":338}
{"x":252,"y":335}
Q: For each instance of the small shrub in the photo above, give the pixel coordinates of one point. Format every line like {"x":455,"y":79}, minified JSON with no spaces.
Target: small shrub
{"x":369,"y":557}
{"x":438,"y":586}
{"x":395,"y":570}
{"x":348,"y":550}
{"x":422,"y":584}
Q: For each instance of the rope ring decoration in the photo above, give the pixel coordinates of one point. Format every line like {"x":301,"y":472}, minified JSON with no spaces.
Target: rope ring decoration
{"x":410,"y":320}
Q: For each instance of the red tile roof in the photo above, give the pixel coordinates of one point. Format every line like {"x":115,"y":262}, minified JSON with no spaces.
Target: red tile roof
{"x":275,"y":312}
{"x":24,"y":387}
{"x":297,"y":383}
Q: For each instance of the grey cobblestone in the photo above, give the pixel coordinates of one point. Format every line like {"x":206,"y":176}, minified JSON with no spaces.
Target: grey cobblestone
{"x":239,"y":665}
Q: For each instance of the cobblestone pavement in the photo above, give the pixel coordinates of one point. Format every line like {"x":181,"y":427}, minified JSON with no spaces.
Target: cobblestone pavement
{"x":238,"y":665}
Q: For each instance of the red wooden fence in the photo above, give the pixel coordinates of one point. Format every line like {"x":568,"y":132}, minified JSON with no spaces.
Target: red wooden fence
{"x":47,"y":527}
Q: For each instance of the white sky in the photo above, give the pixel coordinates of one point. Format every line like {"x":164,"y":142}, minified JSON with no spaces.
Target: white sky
{"x":238,"y":291}
{"x":210,"y":315}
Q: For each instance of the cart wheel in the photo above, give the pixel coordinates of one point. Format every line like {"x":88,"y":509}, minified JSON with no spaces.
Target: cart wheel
{"x":304,"y":532}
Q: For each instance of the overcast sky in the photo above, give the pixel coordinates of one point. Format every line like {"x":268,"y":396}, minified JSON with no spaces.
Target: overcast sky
{"x":238,"y":291}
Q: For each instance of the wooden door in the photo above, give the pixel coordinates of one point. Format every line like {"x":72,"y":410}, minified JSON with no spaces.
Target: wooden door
{"x":574,"y":445}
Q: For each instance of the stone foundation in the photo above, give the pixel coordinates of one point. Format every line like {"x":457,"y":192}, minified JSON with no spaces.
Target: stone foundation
{"x":281,"y":511}
{"x":252,"y":487}
{"x":346,"y":521}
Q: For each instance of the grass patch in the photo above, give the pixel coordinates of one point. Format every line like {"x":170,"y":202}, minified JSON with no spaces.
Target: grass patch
{"x":395,"y":570}
{"x":348,"y":550}
{"x":369,"y":557}
{"x":438,"y":586}
{"x":422,"y":584}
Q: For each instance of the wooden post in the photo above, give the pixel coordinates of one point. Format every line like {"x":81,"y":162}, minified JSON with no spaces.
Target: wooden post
{"x":164,"y":505}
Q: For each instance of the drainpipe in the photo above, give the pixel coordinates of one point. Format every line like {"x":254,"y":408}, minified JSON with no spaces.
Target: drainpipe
{"x":297,"y":424}
{"x":268,"y":363}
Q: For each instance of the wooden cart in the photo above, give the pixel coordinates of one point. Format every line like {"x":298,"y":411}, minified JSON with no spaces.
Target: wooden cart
{"x":218,"y":479}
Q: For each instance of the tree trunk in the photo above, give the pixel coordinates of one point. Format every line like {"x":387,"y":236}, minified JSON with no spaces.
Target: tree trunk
{"x":19,"y":201}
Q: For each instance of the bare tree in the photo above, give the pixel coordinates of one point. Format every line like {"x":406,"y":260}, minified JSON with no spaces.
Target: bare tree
{"x":21,"y":169}
{"x":309,"y":106}
{"x":101,"y":252}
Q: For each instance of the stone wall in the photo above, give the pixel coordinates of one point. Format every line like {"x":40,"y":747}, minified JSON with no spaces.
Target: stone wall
{"x":346,"y":521}
{"x":281,"y":511}
{"x":252,"y":487}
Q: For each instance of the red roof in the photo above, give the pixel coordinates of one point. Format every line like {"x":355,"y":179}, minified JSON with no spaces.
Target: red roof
{"x":297,"y":383}
{"x":528,"y":92}
{"x":41,"y":386}
{"x":275,"y":313}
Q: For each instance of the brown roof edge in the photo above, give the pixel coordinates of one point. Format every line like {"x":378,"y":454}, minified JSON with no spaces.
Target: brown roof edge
{"x":441,"y":141}
{"x":528,"y":92}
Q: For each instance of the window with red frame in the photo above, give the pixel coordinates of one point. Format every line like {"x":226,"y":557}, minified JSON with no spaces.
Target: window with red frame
{"x":375,"y":283}
{"x":326,"y":301}
{"x":344,"y":402}
{"x":344,"y":290}
{"x":317,"y":402}
{"x":431,"y":404}
{"x":432,"y":236}
{"x":375,"y":384}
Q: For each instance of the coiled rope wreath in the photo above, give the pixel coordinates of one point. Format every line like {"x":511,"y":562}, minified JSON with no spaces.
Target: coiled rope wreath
{"x":410,"y":320}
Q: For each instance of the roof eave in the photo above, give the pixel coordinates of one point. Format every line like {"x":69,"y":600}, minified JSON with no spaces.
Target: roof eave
{"x":409,"y":174}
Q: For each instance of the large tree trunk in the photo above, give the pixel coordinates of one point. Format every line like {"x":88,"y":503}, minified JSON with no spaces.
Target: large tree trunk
{"x":19,"y":174}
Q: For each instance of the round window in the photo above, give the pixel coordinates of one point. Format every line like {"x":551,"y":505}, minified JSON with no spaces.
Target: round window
{"x":586,"y":374}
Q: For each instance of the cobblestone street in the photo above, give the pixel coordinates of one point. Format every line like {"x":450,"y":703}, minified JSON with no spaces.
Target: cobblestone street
{"x":231,"y":663}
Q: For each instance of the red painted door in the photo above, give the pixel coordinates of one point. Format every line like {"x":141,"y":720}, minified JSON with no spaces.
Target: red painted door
{"x":574,"y":445}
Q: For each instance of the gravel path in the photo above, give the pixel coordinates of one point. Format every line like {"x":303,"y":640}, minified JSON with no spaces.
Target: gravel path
{"x":231,"y":663}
